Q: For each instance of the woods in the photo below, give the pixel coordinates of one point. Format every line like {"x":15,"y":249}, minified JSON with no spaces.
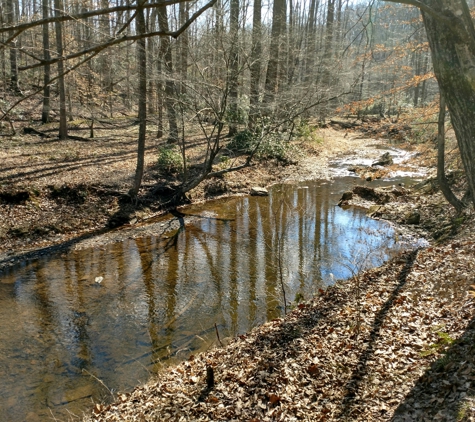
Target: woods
{"x":210,"y":183}
{"x":236,"y":65}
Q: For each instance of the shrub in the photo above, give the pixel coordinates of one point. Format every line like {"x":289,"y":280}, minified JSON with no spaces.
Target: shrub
{"x":170,"y":159}
{"x":276,"y":146}
{"x":244,"y":141}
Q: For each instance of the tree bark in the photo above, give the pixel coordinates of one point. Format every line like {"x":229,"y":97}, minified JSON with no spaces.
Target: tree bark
{"x":10,"y":18}
{"x":47,"y":69}
{"x":142,"y":105}
{"x":278,"y":22}
{"x":444,"y":185}
{"x":166,"y":57}
{"x":184,"y":15}
{"x":233,"y":71}
{"x":255,"y":67}
{"x":63,"y":125}
{"x":451,"y":36}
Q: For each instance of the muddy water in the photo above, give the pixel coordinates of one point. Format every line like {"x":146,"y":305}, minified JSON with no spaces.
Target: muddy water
{"x":67,"y":339}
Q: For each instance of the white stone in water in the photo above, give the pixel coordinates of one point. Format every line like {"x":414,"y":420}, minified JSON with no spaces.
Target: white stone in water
{"x":99,"y":279}
{"x":258,"y":191}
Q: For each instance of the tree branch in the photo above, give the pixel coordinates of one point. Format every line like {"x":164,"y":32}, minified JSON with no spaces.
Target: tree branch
{"x":427,"y":9}
{"x":5,"y":113}
{"x":114,"y":41}
{"x":89,"y":14}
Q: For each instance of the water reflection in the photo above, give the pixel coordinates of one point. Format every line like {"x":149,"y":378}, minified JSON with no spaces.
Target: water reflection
{"x":66,"y":339}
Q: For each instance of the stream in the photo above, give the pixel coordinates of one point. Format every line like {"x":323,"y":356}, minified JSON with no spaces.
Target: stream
{"x":79,"y":326}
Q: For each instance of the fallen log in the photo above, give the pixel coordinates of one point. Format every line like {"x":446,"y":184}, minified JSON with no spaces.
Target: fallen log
{"x":32,"y":131}
{"x":345,"y":125}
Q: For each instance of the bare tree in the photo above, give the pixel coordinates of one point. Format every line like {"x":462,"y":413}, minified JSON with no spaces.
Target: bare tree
{"x":256,"y":62}
{"x":233,"y":68}
{"x":47,"y":68}
{"x":63,"y":124}
{"x":10,"y":18}
{"x":444,"y":185}
{"x":278,"y":25}
{"x":142,"y":112}
{"x":167,"y":63}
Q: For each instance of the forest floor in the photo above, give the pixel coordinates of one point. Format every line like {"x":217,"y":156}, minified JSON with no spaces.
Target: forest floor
{"x":393,"y":343}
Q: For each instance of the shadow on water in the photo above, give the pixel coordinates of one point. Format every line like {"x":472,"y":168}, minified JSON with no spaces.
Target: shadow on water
{"x":83,"y":325}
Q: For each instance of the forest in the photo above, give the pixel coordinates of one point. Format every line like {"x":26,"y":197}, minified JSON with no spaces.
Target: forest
{"x":239,"y":66}
{"x":142,"y":124}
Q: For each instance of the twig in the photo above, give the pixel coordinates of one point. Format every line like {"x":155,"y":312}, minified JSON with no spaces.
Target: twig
{"x":217,"y":334}
{"x":100,"y":381}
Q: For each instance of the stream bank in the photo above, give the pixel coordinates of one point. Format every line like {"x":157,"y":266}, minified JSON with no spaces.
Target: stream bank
{"x":392,"y":343}
{"x":49,"y":207}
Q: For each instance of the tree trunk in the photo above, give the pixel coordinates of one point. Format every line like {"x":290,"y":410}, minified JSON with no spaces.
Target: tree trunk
{"x":278,"y":22}
{"x":166,"y":57}
{"x":105,"y":60}
{"x":10,"y":19}
{"x":142,"y":112}
{"x":233,"y":71}
{"x":311,"y":40}
{"x":63,"y":125}
{"x":328,"y":50}
{"x":47,"y":68}
{"x":444,"y":186}
{"x":452,"y":43}
{"x":184,"y":15}
{"x":256,"y":54}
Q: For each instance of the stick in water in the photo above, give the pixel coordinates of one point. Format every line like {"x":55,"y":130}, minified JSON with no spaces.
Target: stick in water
{"x":217,"y":334}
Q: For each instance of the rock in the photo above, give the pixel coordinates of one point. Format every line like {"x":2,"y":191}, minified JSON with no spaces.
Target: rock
{"x":215,"y":187}
{"x":376,"y":195}
{"x":384,"y":160}
{"x":258,"y":191}
{"x":398,"y":191}
{"x":347,"y":196}
{"x":375,"y":210}
{"x":412,"y":217}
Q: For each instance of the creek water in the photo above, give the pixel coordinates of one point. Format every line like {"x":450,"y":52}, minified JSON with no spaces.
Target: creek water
{"x":79,"y":326}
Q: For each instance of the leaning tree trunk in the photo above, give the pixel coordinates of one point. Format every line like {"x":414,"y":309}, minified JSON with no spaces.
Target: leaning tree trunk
{"x":444,"y":186}
{"x":451,"y":36}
